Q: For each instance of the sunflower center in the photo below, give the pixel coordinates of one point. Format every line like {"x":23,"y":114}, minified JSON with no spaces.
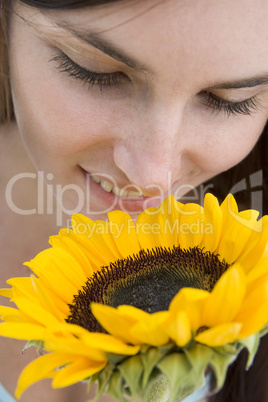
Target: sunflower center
{"x":148,"y":281}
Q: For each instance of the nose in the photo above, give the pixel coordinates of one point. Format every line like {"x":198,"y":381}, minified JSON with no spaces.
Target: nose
{"x":151,"y":151}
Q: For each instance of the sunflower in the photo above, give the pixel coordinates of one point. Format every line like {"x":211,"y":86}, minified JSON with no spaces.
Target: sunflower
{"x":144,"y":308}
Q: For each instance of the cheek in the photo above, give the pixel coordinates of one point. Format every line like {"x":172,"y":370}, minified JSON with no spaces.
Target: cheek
{"x":59,"y":114}
{"x":65,"y":122}
{"x":226,"y":144}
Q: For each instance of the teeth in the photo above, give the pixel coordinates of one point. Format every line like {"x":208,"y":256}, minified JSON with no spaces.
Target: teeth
{"x":134,"y":194}
{"x":96,"y":178}
{"x":107,"y":186}
{"x":120,"y":192}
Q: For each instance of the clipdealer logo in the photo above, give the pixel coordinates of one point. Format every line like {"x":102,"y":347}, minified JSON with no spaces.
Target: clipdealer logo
{"x":199,"y":226}
{"x":50,"y":197}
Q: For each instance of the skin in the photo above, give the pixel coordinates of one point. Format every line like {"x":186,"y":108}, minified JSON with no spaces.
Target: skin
{"x":149,"y":131}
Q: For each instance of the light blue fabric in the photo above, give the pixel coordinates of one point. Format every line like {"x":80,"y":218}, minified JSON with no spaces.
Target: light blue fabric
{"x":195,"y":396}
{"x":5,"y":396}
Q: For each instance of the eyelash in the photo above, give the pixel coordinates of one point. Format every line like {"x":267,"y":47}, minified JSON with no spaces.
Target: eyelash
{"x":245,"y":107}
{"x":91,"y":78}
{"x":106,"y":80}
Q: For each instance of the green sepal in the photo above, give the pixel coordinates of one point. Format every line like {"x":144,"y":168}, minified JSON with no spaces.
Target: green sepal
{"x":114,"y":359}
{"x":116,"y":387}
{"x":169,"y":372}
{"x":263,"y":331}
{"x":132,"y":370}
{"x":251,"y":344}
{"x":103,"y":379}
{"x":150,"y":360}
{"x":176,"y":368}
{"x":198,"y":356}
{"x":38,"y":344}
{"x":228,"y":349}
{"x":219,"y":363}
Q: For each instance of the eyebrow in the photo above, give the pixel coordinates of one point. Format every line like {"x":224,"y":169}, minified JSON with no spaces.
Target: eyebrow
{"x":105,"y":46}
{"x":244,"y":83}
{"x":95,"y":40}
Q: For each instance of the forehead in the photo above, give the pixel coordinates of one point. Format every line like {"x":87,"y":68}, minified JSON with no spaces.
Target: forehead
{"x":190,"y":35}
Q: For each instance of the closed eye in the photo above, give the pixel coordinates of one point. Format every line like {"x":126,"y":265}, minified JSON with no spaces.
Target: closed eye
{"x":215,"y":103}
{"x":91,"y":78}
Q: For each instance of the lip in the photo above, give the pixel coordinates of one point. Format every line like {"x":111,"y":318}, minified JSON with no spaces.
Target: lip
{"x":111,"y":202}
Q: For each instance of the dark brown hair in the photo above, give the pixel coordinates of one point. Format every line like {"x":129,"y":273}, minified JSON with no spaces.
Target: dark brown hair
{"x":6,"y":108}
{"x":240,"y":385}
{"x":65,"y":4}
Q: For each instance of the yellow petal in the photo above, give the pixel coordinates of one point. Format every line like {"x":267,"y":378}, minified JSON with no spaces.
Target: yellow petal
{"x":96,"y":235}
{"x":37,"y":313}
{"x":220,"y":335}
{"x":66,"y":329}
{"x":229,"y":210}
{"x":259,"y":271}
{"x":132,"y":312}
{"x":226,"y":298}
{"x":76,"y":347}
{"x":148,"y":228}
{"x":150,"y":331}
{"x":191,"y":226}
{"x":178,"y":327}
{"x":10,"y":314}
{"x":115,"y":322}
{"x":109,"y":344}
{"x":257,"y":247}
{"x":40,"y":368}
{"x":69,"y":242}
{"x":49,"y":300}
{"x":192,"y":302}
{"x":22,"y":331}
{"x":159,"y":227}
{"x":22,"y":287}
{"x":77,"y":371}
{"x":104,"y":342}
{"x":124,"y":233}
{"x":252,"y":314}
{"x":212,"y":223}
{"x":237,"y":235}
{"x":255,"y":322}
{"x":59,"y":271}
{"x":6,"y":293}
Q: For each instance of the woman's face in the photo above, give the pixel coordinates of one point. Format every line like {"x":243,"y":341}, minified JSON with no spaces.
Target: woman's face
{"x":150,"y":96}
